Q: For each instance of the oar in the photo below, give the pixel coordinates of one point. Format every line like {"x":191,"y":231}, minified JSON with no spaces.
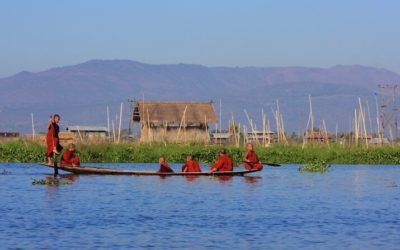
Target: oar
{"x":271,"y":164}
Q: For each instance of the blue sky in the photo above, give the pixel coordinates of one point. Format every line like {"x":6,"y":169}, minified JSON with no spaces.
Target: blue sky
{"x":37,"y":35}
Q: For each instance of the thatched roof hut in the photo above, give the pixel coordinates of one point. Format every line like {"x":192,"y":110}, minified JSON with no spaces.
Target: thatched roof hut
{"x":174,"y":121}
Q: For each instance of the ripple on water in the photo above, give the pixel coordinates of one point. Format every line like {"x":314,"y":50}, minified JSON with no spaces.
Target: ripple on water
{"x":348,"y":207}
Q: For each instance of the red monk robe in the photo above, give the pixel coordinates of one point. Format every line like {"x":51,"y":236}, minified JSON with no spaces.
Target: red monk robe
{"x":251,"y":161}
{"x":224,"y":164}
{"x":191,"y":166}
{"x":165,"y":168}
{"x":52,"y":139}
{"x":69,"y":159}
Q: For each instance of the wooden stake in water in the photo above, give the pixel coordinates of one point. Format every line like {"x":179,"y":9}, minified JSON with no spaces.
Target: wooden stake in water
{"x":113,"y":128}
{"x":108,"y":121}
{"x":120,"y":122}
{"x":363,"y":122}
{"x":33,"y":128}
{"x":181,"y":123}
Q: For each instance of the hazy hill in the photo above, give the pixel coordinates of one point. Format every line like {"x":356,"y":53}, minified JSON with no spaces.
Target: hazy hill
{"x":80,"y":93}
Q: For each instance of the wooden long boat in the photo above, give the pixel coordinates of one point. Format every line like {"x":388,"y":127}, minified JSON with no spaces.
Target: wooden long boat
{"x":86,"y":170}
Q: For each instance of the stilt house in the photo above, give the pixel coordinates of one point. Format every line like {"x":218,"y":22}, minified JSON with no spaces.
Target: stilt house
{"x":178,"y":122}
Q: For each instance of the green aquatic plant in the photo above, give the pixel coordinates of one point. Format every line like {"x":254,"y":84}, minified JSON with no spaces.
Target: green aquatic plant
{"x":51,"y":182}
{"x":315,"y":167}
{"x":26,"y":151}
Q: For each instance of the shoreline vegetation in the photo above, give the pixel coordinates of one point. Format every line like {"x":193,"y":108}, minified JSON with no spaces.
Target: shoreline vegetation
{"x":31,"y":152}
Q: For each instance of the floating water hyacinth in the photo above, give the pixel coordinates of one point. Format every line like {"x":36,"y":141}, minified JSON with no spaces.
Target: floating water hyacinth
{"x":51,"y":182}
{"x":315,"y":167}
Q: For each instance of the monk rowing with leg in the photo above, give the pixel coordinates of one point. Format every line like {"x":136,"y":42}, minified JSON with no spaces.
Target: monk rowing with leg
{"x":250,"y":159}
{"x":52,"y":139}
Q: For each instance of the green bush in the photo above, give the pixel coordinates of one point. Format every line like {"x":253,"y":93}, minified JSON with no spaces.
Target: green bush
{"x":25,"y":151}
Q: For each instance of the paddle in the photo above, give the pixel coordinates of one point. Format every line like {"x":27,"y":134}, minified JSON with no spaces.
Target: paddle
{"x":271,"y":164}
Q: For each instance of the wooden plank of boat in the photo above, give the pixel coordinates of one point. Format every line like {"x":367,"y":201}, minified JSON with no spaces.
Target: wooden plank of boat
{"x":113,"y":171}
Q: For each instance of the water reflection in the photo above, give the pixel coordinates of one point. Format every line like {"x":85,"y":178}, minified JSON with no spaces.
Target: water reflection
{"x":69,"y":177}
{"x":163,"y":177}
{"x":52,"y":190}
{"x":224,"y":179}
{"x":191,"y":178}
{"x":252,"y":179}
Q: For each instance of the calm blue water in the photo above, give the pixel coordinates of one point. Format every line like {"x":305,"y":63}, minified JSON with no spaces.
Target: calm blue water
{"x":351,"y":207}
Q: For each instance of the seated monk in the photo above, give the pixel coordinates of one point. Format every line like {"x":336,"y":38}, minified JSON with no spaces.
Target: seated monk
{"x":224,"y":163}
{"x":68,"y":157}
{"x":164,"y":167}
{"x":191,"y":165}
{"x":250,"y":159}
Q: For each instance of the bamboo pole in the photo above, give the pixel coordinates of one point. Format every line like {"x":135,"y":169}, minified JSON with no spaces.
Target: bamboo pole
{"x":238,"y":136}
{"x":220,"y":120}
{"x":325,"y":133}
{"x":205,"y":124}
{"x":79,"y":133}
{"x":251,"y":125}
{"x":336,"y":133}
{"x":356,"y":127}
{"x":363,"y":122}
{"x":246,"y":139}
{"x":148,"y":126}
{"x":311,"y":113}
{"x":33,"y":128}
{"x":234,"y":130}
{"x":184,"y":126}
{"x":113,"y":128}
{"x":378,"y":127}
{"x":283,"y":129}
{"x":369,"y":118}
{"x":108,"y":121}
{"x":269,"y":133}
{"x":120,"y":122}
{"x":264,"y":125}
{"x":180,"y":124}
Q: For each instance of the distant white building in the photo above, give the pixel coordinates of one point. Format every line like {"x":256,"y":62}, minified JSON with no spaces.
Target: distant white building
{"x":89,"y":133}
{"x":261,"y":136}
{"x":220,"y":137}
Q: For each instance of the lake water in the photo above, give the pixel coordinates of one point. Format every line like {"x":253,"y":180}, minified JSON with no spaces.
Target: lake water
{"x":350,"y":207}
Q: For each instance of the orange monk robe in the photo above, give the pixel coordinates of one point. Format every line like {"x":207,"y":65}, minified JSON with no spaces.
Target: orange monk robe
{"x":253,"y":163}
{"x":165,"y":168}
{"x":191,"y":166}
{"x":68,"y":158}
{"x":52,"y":139}
{"x":224,"y":164}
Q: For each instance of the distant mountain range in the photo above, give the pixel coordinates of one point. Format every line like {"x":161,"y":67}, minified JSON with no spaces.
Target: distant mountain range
{"x":80,"y":93}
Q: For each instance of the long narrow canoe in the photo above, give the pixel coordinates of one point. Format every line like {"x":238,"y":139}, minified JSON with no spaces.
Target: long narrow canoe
{"x":113,"y":171}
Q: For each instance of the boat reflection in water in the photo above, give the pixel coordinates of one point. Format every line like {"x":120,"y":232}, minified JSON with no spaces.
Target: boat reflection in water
{"x":191,"y":178}
{"x":252,"y":179}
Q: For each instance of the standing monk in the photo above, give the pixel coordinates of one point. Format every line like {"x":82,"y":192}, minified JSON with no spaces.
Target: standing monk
{"x":52,"y":139}
{"x":164,"y":166}
{"x":224,"y":163}
{"x":191,"y":165}
{"x":250,"y":159}
{"x":68,"y":158}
